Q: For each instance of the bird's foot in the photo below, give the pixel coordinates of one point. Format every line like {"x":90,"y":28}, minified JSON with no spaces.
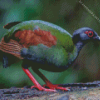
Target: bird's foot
{"x":43,"y":89}
{"x":56,"y":86}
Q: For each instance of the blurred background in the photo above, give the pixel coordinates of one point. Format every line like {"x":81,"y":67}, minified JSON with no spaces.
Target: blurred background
{"x":70,"y":15}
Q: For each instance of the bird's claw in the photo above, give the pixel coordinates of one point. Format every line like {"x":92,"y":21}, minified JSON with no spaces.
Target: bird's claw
{"x":56,"y":86}
{"x":43,"y":89}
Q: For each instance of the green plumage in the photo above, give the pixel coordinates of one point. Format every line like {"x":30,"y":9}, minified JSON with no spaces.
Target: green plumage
{"x":63,"y":37}
{"x":60,"y":55}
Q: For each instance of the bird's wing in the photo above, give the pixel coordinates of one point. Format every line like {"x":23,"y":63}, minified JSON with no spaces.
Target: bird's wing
{"x":64,"y":39}
{"x":12,"y":47}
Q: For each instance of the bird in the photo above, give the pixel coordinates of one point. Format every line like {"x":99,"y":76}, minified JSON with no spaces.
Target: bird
{"x":44,"y":45}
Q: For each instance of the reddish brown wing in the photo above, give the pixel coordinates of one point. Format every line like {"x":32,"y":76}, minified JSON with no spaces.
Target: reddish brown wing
{"x":9,"y":25}
{"x":28,"y":38}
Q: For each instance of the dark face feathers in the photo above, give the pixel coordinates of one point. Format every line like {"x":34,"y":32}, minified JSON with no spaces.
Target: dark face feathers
{"x":84,"y":35}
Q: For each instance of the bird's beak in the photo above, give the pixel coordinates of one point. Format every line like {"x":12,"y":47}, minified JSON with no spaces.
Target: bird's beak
{"x":97,"y":38}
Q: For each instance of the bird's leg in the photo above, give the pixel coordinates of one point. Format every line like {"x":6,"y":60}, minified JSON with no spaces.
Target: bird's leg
{"x":48,"y":83}
{"x":5,"y":61}
{"x":36,"y":84}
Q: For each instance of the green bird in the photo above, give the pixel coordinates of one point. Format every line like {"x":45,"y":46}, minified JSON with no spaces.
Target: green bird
{"x":44,"y":45}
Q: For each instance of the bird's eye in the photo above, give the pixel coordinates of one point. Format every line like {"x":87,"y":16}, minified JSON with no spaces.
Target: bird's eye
{"x":89,"y":33}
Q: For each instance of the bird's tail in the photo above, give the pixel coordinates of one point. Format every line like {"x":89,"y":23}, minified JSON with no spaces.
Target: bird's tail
{"x":12,"y":47}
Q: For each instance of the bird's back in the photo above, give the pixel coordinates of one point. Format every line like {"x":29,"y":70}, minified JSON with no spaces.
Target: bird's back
{"x":37,"y":30}
{"x":34,"y":32}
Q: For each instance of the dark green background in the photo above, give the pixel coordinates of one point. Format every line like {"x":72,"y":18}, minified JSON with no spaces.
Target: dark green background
{"x":70,"y":15}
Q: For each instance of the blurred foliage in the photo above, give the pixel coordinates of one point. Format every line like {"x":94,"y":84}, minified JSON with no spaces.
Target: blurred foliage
{"x":70,"y":15}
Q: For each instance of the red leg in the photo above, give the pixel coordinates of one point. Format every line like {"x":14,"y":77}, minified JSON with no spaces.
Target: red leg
{"x":36,"y":84}
{"x":48,"y":83}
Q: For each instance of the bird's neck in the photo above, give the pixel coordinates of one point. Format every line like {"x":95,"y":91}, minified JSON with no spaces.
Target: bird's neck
{"x":79,"y":46}
{"x":73,"y":56}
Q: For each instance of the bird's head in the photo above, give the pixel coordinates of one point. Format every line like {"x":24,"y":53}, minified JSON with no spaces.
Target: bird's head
{"x":85,"y":35}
